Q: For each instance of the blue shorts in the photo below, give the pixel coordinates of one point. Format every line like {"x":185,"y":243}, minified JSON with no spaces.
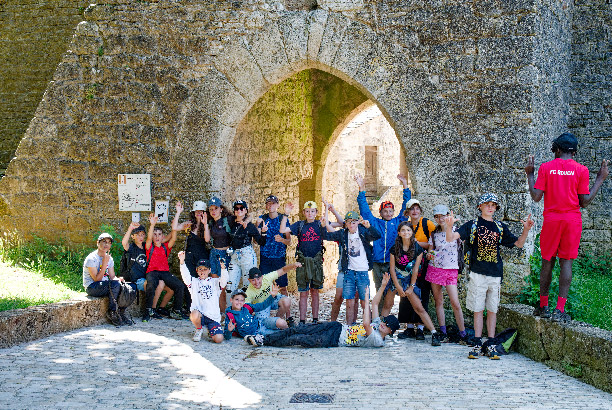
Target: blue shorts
{"x":214,"y":328}
{"x":340,"y":280}
{"x":404,"y":282}
{"x":267,"y":326}
{"x":267,"y":265}
{"x":355,"y":281}
{"x":140,"y":284}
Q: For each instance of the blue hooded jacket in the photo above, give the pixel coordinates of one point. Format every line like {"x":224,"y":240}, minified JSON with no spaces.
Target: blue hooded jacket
{"x":387,"y":229}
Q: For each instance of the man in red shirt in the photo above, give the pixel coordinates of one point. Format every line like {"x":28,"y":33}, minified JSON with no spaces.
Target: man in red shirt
{"x":564,"y":183}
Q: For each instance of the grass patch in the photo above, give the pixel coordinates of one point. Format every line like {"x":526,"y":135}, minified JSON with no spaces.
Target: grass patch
{"x":590,"y":299}
{"x":37,"y":272}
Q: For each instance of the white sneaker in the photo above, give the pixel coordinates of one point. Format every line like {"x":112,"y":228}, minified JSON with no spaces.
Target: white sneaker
{"x":197,"y":336}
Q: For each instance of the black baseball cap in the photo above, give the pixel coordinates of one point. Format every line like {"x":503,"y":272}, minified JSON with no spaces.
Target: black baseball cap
{"x":254,"y":272}
{"x":271,"y":198}
{"x":566,"y":142}
{"x":240,"y":202}
{"x":139,"y":229}
{"x":203,"y":262}
{"x":391,"y":322}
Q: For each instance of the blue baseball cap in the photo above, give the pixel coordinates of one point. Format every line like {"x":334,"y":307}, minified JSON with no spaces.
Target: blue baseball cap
{"x":214,"y":201}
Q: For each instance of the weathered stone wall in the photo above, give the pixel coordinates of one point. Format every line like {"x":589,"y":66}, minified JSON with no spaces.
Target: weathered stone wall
{"x":591,"y":108}
{"x":33,"y":37}
{"x":163,"y":87}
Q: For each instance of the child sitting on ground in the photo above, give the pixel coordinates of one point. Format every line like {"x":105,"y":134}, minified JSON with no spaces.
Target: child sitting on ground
{"x":241,"y":317}
{"x":371,"y":333}
{"x":485,"y":236}
{"x":205,"y":291}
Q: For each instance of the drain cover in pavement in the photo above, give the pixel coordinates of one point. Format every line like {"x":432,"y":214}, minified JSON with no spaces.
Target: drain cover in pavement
{"x":311,"y":398}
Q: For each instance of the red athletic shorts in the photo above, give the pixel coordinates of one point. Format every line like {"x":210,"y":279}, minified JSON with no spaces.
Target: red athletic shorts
{"x":561,"y":237}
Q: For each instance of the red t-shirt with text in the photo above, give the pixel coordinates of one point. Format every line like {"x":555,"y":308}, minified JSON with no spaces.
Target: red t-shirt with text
{"x":159,"y":260}
{"x":562,"y":180}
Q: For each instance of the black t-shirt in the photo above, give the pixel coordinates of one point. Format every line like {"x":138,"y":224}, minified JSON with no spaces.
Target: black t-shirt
{"x":137,"y":257}
{"x":486,"y":258}
{"x":241,"y":236}
{"x":403,"y":262}
{"x":195,"y":249}
{"x":310,"y":237}
{"x":218,"y":233}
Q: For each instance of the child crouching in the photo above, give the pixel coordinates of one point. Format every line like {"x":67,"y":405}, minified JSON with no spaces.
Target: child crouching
{"x":205,"y":291}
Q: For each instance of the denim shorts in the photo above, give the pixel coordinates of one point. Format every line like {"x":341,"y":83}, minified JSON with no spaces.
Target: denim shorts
{"x":267,"y":265}
{"x":215,"y":256}
{"x":340,"y":280}
{"x":353,"y":281}
{"x":265,"y":313}
{"x":267,"y":326}
{"x":140,"y":284}
{"x":404,"y":282}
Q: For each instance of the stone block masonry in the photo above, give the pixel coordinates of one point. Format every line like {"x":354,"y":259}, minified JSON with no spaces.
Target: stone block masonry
{"x":171,"y":88}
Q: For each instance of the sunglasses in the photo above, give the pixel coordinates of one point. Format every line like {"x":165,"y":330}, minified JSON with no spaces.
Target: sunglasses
{"x":239,"y":208}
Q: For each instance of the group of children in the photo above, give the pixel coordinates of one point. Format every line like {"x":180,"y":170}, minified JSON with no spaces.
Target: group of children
{"x":408,"y":255}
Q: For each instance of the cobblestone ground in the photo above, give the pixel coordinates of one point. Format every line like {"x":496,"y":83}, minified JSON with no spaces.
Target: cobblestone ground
{"x":157,"y":365}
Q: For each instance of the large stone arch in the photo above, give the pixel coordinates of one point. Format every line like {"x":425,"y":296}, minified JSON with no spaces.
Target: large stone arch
{"x":348,"y":49}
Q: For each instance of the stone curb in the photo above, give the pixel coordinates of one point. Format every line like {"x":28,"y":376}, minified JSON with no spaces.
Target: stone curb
{"x":576,"y":349}
{"x":35,"y":322}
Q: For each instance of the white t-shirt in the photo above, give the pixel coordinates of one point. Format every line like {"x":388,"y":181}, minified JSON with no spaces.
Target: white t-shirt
{"x":205,"y":293}
{"x":94,"y":260}
{"x":357,"y":259}
{"x":355,"y":336}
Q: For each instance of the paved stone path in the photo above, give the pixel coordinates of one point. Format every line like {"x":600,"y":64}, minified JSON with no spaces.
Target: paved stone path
{"x":156,"y":365}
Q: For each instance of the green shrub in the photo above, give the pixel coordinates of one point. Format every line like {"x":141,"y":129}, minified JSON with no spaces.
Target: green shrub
{"x":55,"y":269}
{"x":589,"y":299}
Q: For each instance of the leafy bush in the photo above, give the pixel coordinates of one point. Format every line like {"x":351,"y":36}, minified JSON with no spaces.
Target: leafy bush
{"x":589,"y":299}
{"x":55,"y":269}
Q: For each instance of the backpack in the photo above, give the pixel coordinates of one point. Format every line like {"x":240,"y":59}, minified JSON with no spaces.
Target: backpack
{"x":231,"y":317}
{"x":467,"y":251}
{"x":127,"y":295}
{"x":500,"y":344}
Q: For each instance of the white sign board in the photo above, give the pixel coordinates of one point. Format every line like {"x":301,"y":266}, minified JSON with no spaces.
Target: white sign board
{"x":161,"y":211}
{"x":134,"y":192}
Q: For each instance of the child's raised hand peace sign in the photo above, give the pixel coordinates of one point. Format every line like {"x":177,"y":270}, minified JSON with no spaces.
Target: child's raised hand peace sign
{"x":264,"y":227}
{"x":364,"y":222}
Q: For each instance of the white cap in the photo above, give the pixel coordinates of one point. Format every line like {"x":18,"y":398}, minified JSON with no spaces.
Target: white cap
{"x":199,"y":206}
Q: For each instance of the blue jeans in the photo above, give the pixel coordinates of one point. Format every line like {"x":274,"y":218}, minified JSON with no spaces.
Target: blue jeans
{"x":242,"y":261}
{"x":265,"y":314}
{"x":267,"y":326}
{"x":100,"y":289}
{"x":215,"y":256}
{"x":355,"y":280}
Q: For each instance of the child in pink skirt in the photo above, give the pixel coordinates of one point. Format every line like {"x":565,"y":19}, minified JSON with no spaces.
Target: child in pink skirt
{"x":443,"y":271}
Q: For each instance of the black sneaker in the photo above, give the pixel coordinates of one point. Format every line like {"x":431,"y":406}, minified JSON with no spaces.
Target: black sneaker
{"x":558,"y":316}
{"x":435,"y":339}
{"x":154,"y":315}
{"x":145,"y":316}
{"x":475,"y":352}
{"x":185,"y":316}
{"x":175,"y":314}
{"x":420,"y":335}
{"x":408,"y":333}
{"x":124,"y":319}
{"x":463,"y":340}
{"x":491,"y":353}
{"x":163,"y":311}
{"x":542,"y":312}
{"x":290,"y":321}
{"x":114,"y":318}
{"x":315,"y":320}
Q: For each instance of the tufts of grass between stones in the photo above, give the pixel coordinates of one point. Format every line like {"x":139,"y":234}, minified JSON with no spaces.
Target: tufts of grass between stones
{"x":38,"y":271}
{"x":590,"y":299}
